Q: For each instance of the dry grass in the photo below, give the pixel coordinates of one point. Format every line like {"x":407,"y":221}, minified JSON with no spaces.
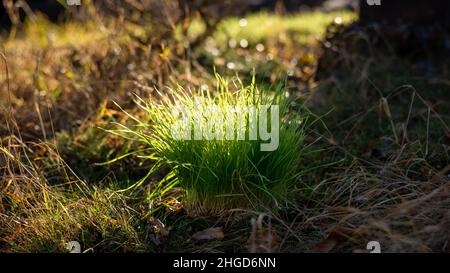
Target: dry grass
{"x":40,"y":216}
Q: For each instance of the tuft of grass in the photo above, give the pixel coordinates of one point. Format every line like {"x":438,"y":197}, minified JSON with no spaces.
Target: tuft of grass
{"x":219,"y":174}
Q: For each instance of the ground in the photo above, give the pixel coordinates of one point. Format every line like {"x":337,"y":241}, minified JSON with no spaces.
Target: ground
{"x":376,"y":167}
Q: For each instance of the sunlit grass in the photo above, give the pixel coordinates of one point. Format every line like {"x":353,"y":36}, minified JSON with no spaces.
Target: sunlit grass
{"x":263,"y":26}
{"x":41,"y":33}
{"x":39,"y":216}
{"x":219,"y":174}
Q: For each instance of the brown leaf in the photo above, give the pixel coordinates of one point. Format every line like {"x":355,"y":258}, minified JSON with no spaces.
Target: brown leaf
{"x":209,"y":234}
{"x":325,"y":246}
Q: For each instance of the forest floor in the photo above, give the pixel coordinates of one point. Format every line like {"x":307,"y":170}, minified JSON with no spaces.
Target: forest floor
{"x":379,"y":170}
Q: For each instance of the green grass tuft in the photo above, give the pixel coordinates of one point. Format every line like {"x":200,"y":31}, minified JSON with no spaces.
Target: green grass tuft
{"x":220,"y":174}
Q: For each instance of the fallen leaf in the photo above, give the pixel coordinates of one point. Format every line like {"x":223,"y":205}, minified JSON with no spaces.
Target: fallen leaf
{"x":326,"y":246}
{"x":209,"y":234}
